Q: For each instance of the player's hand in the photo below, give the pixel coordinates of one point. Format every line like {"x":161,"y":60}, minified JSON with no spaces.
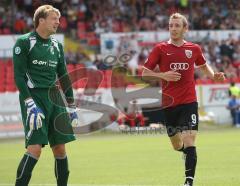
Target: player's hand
{"x":171,"y":76}
{"x":219,"y":77}
{"x":34,"y":115}
{"x":73,"y":115}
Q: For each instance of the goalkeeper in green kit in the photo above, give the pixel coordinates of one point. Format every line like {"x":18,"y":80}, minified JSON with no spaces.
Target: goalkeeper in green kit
{"x":38,"y":64}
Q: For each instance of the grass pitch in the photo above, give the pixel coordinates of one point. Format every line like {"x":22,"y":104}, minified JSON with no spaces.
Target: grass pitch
{"x":104,"y":159}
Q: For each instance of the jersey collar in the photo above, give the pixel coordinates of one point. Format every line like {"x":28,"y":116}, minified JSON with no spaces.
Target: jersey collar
{"x":40,"y":38}
{"x":169,"y":42}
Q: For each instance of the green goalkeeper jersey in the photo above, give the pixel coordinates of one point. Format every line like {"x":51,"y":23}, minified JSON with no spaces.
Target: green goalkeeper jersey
{"x":39,"y":63}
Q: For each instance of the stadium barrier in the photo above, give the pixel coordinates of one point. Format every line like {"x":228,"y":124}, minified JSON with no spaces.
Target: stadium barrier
{"x":212,"y":98}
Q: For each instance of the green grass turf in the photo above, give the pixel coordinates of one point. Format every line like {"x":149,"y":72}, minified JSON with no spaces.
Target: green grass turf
{"x":120,"y":159}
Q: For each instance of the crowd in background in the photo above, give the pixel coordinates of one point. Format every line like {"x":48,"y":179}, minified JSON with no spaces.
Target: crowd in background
{"x":234,"y":104}
{"x":101,"y":16}
{"x":222,"y":55}
{"x":124,"y":15}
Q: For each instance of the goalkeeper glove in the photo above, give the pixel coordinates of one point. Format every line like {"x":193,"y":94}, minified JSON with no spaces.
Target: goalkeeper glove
{"x":72,"y":110}
{"x":34,"y":115}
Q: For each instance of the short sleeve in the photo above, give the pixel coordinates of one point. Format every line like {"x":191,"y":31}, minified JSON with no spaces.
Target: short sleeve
{"x":201,"y":60}
{"x":153,"y":59}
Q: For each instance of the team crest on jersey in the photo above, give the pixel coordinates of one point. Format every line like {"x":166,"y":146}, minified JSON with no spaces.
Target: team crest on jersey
{"x":188,"y":53}
{"x":17,"y":50}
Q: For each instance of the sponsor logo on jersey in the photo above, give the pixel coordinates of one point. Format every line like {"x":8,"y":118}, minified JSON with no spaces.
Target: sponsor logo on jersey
{"x":52,"y":63}
{"x":179,"y":66}
{"x":17,"y":50}
{"x":36,"y":62}
{"x":188,"y":53}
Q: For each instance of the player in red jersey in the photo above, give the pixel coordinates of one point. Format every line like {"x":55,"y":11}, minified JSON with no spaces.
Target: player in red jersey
{"x":176,"y":60}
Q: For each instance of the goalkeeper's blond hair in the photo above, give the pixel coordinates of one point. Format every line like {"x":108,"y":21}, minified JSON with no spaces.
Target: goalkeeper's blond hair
{"x":180,"y":16}
{"x":42,"y":12}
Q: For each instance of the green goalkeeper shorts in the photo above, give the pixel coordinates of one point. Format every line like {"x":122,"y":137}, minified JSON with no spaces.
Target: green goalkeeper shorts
{"x":56,"y":127}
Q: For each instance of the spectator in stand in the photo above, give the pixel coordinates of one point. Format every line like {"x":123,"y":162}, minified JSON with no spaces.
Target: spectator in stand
{"x":233,"y":106}
{"x":125,"y":15}
{"x":231,"y":71}
{"x":98,"y":62}
{"x":79,"y":17}
{"x":20,"y":26}
{"x":234,"y":90}
{"x":226,"y":49}
{"x":70,"y":57}
{"x":143,"y":56}
{"x":134,"y":116}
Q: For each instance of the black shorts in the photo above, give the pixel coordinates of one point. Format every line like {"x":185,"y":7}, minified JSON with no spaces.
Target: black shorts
{"x":181,"y":118}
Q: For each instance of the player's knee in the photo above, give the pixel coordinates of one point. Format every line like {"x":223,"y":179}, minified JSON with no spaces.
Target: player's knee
{"x":59,"y":151}
{"x":178,"y":146}
{"x":189,"y":138}
{"x":34,"y":150}
{"x":189,"y":142}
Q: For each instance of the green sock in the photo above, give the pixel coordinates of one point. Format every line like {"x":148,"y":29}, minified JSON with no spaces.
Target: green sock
{"x":24,"y":171}
{"x":61,"y":170}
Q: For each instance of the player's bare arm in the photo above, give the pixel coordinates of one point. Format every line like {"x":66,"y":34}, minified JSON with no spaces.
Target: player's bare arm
{"x":216,"y":76}
{"x":167,"y":76}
